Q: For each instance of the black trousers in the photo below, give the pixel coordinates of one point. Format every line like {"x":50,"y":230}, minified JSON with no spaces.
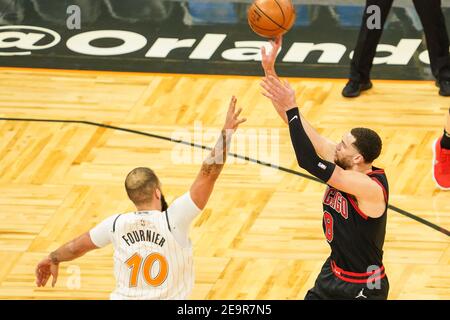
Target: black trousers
{"x":329,"y":287}
{"x":433,"y":22}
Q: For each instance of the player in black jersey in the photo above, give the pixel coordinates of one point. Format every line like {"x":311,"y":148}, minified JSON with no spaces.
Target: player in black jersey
{"x":355,"y":202}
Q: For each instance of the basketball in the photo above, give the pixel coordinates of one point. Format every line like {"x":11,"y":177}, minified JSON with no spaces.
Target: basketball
{"x":271,"y":18}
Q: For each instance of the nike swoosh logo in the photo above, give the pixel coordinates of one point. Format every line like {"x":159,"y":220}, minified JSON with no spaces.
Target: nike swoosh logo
{"x":293,"y":119}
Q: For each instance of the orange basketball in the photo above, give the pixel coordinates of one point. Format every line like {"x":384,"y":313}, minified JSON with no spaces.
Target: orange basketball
{"x":271,"y":18}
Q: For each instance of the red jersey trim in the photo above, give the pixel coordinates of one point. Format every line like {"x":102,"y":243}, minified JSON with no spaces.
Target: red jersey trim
{"x":355,"y":274}
{"x":378,"y":171}
{"x":357,"y":208}
{"x":360,"y":280}
{"x":367,"y":277}
{"x":382,"y":187}
{"x":355,"y":205}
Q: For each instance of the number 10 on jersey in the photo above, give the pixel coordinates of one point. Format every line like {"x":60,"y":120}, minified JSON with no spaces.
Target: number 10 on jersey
{"x":136,"y":263}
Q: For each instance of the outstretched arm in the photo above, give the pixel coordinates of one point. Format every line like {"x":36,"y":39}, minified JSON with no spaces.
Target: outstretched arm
{"x":268,"y":64}
{"x":368,"y":192}
{"x":211,"y":168}
{"x":70,"y":251}
{"x":324,"y":147}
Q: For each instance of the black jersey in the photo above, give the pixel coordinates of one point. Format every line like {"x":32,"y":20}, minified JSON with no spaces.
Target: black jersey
{"x":356,"y":240}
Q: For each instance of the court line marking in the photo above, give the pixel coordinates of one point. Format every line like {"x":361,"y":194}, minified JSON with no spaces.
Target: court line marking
{"x":196,"y":145}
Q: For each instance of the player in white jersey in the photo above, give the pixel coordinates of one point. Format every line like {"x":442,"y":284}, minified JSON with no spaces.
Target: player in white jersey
{"x":152,"y":251}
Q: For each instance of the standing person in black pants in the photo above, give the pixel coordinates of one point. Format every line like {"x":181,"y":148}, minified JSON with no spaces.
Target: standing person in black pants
{"x":433,"y":22}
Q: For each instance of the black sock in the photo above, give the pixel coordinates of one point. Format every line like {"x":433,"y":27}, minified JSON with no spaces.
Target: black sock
{"x":445,"y":141}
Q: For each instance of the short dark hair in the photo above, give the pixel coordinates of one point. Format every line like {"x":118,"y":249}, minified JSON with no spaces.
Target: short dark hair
{"x":140,"y":185}
{"x":368,"y":143}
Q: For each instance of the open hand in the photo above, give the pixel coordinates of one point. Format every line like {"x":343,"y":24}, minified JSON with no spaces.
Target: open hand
{"x":232,"y":121}
{"x":44,"y":270}
{"x":280,"y":92}
{"x":268,"y":58}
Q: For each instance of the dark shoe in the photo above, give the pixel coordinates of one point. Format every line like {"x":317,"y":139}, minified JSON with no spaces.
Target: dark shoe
{"x":353,"y":88}
{"x":444,"y":87}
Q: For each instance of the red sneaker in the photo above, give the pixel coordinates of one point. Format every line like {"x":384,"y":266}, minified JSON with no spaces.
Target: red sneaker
{"x":441,"y":165}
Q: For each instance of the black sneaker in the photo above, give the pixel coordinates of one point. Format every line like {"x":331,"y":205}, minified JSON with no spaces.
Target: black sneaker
{"x":353,"y":88}
{"x":444,"y":87}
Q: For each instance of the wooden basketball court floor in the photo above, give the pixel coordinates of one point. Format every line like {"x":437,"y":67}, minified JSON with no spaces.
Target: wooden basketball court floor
{"x":260,"y":236}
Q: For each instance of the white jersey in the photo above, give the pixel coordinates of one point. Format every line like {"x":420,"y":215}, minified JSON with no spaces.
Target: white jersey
{"x":153,"y":256}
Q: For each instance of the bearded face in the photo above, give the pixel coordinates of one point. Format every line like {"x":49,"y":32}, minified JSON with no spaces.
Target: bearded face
{"x":345,"y":162}
{"x":346,"y":152}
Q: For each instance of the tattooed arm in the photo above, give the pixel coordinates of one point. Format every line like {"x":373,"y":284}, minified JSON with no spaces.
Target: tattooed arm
{"x":203,"y":185}
{"x":70,"y":251}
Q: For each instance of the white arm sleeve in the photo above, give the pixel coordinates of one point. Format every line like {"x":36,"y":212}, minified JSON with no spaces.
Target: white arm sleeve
{"x":101,"y":233}
{"x":180,"y":215}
